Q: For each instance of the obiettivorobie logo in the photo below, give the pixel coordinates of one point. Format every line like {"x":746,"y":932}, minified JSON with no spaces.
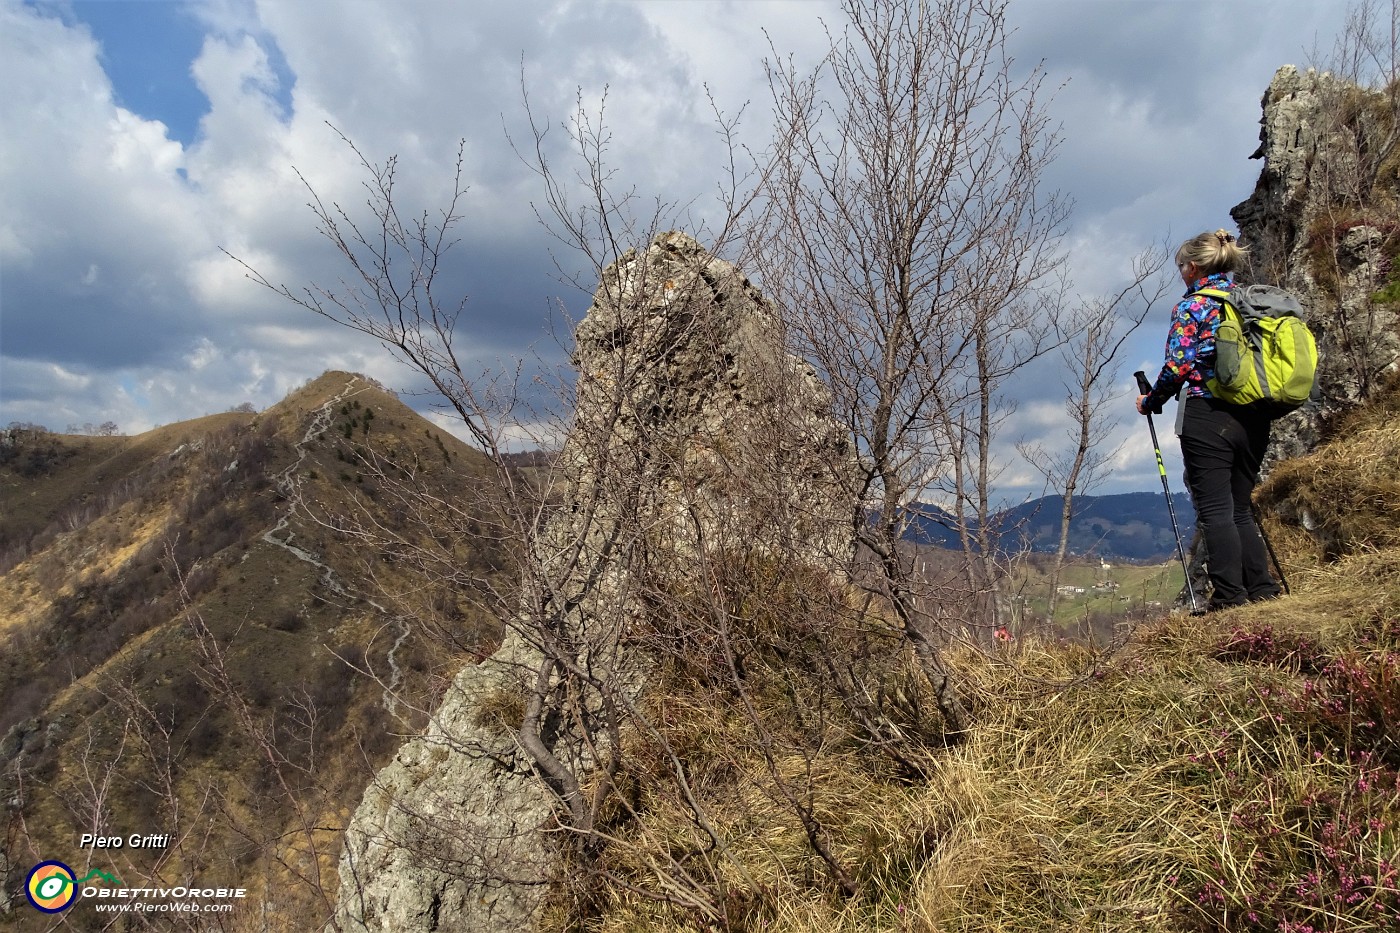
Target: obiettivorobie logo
{"x":52,"y":886}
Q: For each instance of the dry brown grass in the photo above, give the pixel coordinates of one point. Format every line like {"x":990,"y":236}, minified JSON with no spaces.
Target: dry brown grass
{"x":1171,"y":791}
{"x":1346,"y":496}
{"x":1235,"y":772}
{"x":103,"y":670}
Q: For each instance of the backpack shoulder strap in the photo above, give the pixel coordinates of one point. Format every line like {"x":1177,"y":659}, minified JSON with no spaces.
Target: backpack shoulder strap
{"x":1223,"y":295}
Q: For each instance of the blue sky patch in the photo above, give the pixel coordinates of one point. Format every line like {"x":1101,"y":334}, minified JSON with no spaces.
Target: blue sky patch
{"x":148,"y":47}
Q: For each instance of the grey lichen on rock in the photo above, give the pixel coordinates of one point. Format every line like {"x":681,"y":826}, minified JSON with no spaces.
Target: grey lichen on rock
{"x":695,"y":434}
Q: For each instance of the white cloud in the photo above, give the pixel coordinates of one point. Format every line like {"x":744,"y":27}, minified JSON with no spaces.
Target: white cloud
{"x":87,"y":185}
{"x":119,"y":305}
{"x":204,"y":353}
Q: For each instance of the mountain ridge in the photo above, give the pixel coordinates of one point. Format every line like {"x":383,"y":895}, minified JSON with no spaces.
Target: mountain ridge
{"x":1133,"y":526}
{"x":183,"y":606}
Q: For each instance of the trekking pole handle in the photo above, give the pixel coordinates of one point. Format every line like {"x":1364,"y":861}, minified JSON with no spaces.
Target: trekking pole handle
{"x":1145,"y":388}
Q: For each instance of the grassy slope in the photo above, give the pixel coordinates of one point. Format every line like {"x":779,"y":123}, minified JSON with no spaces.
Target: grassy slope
{"x":1235,"y":772}
{"x":91,"y":466}
{"x":103,"y":673}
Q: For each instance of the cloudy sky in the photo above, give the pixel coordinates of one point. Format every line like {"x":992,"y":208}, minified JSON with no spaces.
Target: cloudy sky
{"x":140,"y":139}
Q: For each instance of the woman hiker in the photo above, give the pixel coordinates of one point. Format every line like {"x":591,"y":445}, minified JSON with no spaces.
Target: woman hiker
{"x":1222,"y":445}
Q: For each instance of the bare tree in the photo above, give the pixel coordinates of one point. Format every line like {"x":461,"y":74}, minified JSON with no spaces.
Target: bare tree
{"x":1095,"y":330}
{"x":649,"y":541}
{"x":906,"y":235}
{"x":904,"y":256}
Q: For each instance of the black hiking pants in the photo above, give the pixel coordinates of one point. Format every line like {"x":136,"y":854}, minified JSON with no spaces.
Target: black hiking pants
{"x":1223,"y":447}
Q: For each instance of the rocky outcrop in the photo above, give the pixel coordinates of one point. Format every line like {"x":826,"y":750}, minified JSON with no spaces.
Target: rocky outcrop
{"x":684,"y":384}
{"x":695,"y":436}
{"x":1323,"y":221}
{"x":448,"y":835}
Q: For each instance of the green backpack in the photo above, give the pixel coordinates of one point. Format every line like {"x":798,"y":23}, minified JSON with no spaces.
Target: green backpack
{"x":1265,"y":355}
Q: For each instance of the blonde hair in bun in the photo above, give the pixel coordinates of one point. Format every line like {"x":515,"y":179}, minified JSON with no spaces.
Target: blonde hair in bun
{"x":1212,"y":252}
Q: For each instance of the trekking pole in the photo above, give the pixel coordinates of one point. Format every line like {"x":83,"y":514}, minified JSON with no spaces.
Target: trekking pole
{"x":1258,"y":523}
{"x":1145,"y":388}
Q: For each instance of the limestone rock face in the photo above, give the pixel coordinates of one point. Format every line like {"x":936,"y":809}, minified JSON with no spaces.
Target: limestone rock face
{"x":1322,"y":222}
{"x":447,"y":835}
{"x":1287,"y":144}
{"x":729,"y":435}
{"x":695,"y":435}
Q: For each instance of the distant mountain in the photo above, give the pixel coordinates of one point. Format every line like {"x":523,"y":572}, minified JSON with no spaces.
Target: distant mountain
{"x":1130,"y":526}
{"x":932,"y":526}
{"x":196,"y":641}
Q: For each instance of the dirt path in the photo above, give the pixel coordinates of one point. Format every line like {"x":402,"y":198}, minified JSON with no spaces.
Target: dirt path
{"x":288,"y":482}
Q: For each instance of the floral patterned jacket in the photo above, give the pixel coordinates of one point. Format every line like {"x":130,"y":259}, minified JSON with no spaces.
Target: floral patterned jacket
{"x":1191,"y":343}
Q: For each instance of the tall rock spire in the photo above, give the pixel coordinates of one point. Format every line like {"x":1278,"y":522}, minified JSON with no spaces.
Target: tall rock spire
{"x":695,"y":437}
